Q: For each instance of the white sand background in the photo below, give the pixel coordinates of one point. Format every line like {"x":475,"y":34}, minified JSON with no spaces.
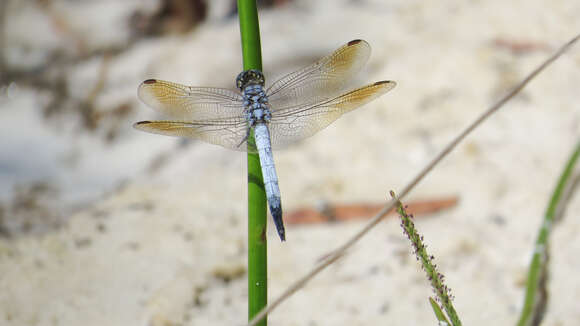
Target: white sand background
{"x":150,"y":252}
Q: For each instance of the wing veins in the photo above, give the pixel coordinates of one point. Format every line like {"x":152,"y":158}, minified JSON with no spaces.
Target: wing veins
{"x":324,"y":79}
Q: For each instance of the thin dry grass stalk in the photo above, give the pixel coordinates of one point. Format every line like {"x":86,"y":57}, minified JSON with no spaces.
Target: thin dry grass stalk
{"x":339,"y":252}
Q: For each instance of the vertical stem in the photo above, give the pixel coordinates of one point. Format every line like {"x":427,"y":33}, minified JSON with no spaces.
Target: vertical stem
{"x":257,"y":245}
{"x":250,"y":33}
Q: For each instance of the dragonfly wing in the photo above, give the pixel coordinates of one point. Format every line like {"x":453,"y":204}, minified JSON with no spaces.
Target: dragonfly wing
{"x":324,"y":79}
{"x":229,"y":133}
{"x":295,"y":123}
{"x":190,"y":103}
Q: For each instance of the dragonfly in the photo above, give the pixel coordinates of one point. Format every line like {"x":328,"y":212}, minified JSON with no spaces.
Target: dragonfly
{"x":294,"y":107}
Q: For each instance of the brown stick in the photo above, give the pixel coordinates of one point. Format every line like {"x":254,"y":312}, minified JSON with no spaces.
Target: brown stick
{"x":338,"y":213}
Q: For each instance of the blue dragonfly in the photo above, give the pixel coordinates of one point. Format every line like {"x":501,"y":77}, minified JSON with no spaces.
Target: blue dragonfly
{"x":293,"y":108}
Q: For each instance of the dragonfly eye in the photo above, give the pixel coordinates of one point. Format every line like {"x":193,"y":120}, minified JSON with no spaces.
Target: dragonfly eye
{"x":249,"y":77}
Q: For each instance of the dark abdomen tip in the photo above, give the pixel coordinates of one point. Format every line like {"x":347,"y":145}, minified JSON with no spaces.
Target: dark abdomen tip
{"x":276,"y":211}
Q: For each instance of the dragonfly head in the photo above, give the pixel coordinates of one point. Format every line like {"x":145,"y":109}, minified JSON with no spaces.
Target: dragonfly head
{"x":249,"y":77}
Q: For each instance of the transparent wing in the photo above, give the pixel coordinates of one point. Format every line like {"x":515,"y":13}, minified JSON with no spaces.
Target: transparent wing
{"x":322,"y":80}
{"x":190,"y":103}
{"x":298,"y":122}
{"x":229,"y":133}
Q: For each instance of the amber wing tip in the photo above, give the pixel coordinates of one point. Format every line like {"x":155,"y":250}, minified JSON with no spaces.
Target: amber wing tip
{"x":383,"y":82}
{"x":353,"y":42}
{"x":150,"y":81}
{"x":137,"y":125}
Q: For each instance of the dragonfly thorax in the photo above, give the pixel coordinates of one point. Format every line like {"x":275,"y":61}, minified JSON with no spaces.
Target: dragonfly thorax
{"x":256,"y":107}
{"x":256,"y":104}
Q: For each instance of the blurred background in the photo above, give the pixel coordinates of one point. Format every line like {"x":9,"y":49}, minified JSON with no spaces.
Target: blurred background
{"x":101,"y":224}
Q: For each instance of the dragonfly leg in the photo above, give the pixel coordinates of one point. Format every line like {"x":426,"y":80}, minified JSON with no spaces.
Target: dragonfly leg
{"x":245,"y":138}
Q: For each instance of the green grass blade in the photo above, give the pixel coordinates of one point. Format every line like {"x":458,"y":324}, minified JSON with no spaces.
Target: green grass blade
{"x":534,"y":300}
{"x":257,"y":245}
{"x":438,"y":313}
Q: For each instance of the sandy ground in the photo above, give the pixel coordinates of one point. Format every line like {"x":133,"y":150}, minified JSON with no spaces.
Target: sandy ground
{"x":157,"y":222}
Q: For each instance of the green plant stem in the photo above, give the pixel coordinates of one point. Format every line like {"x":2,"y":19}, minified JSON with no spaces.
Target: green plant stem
{"x":257,"y":214}
{"x":534,"y":299}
